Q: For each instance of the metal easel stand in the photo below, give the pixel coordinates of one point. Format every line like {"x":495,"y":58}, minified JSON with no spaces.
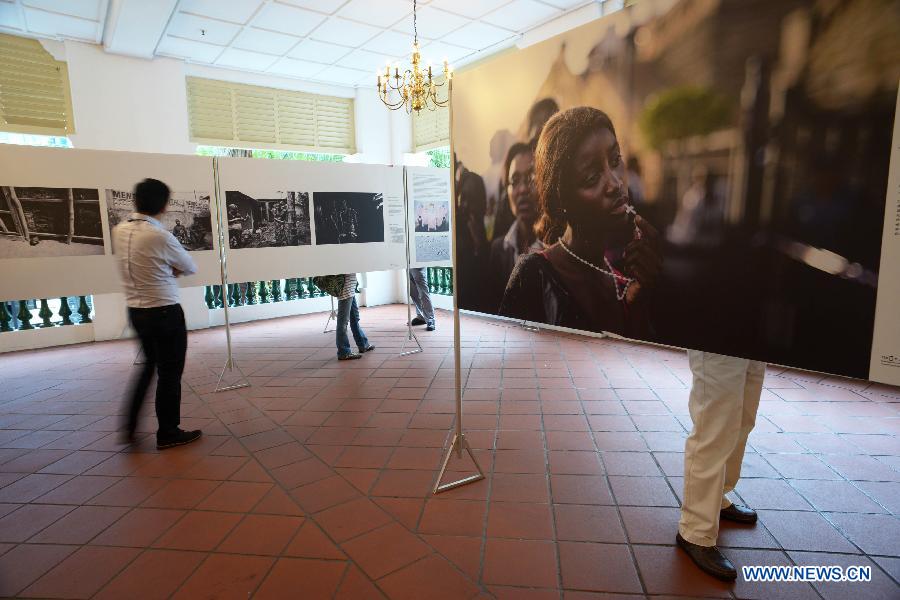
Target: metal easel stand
{"x":532,"y":328}
{"x":332,"y":316}
{"x":410,"y":334}
{"x":459,"y":443}
{"x":139,"y":357}
{"x":230,"y":364}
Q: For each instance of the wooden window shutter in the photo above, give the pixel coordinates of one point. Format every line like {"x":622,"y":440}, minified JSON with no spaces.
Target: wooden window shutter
{"x":431,"y":129}
{"x":233,"y":114}
{"x":34,"y":89}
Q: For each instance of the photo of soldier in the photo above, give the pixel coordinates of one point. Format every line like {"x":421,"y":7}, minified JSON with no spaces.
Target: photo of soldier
{"x":273,"y":222}
{"x":349,"y":217}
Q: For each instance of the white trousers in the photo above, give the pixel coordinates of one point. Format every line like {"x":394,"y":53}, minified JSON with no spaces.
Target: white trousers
{"x":723,"y":403}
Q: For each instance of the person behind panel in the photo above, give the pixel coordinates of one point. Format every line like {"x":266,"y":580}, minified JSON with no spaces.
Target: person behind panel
{"x":348,"y":311}
{"x":418,"y":291}
{"x":723,"y":402}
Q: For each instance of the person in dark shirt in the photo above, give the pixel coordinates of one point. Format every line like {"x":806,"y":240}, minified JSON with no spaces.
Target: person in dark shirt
{"x":601,"y":259}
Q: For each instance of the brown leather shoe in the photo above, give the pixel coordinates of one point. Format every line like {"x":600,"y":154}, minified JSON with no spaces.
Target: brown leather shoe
{"x":738,"y":514}
{"x":709,"y":559}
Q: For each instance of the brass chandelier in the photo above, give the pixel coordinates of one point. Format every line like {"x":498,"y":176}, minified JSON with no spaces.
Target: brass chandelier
{"x":414,"y":89}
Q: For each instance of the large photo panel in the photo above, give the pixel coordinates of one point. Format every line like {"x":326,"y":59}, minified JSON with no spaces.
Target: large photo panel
{"x":58,"y":206}
{"x":706,"y":174}
{"x":301,"y":219}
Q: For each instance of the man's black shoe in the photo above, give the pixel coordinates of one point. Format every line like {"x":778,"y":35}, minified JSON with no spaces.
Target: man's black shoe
{"x":179,"y":438}
{"x":430,"y":326}
{"x":738,"y":514}
{"x":417,"y":321}
{"x":368,"y":348}
{"x":351,"y":356}
{"x":709,"y":559}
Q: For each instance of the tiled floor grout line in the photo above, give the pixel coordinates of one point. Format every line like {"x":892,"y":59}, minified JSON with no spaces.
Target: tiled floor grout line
{"x":307,"y":515}
{"x":654,"y":450}
{"x":612,"y":493}
{"x":492,"y":454}
{"x":311,"y":517}
{"x":762,"y":524}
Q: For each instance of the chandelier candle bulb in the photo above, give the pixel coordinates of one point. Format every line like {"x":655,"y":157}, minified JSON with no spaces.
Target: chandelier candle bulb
{"x":417,"y":88}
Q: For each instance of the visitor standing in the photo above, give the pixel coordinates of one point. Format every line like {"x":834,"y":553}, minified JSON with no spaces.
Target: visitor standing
{"x":723,"y":403}
{"x":348,"y":310}
{"x":418,"y":291}
{"x":150,"y":259}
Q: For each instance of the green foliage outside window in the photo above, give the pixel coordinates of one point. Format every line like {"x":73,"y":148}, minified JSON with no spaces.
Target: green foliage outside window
{"x":439,"y":157}
{"x":272,"y":154}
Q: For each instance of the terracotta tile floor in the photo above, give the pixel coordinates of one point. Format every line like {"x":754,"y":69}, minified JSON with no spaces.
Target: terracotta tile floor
{"x":315,"y":482}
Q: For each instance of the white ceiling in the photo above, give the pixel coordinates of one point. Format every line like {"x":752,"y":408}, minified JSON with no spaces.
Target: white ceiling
{"x":332,"y":41}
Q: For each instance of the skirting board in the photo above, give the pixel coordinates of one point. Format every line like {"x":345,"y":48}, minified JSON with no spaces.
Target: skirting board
{"x":255,"y":312}
{"x":30,"y":339}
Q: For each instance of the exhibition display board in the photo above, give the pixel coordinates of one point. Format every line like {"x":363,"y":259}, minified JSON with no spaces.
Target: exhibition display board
{"x":429,"y":216}
{"x":337,"y":218}
{"x":49,"y":250}
{"x":708,"y":175}
{"x":281,"y":218}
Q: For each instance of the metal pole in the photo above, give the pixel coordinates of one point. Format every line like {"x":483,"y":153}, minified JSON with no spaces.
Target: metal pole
{"x":410,"y":336}
{"x":223,"y":270}
{"x":459,"y":439}
{"x":332,"y":316}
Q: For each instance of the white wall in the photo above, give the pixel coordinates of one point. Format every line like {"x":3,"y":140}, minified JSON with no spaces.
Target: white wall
{"x":123,"y":103}
{"x":132,"y":104}
{"x":373,"y":129}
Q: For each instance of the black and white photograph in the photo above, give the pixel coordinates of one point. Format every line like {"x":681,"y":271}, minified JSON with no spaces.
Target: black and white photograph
{"x":49,"y":222}
{"x":433,"y":247}
{"x":187,"y":216}
{"x":349,"y":217}
{"x":274,"y":220}
{"x":432,"y":217}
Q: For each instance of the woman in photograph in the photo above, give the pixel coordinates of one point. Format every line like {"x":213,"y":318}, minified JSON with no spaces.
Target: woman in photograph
{"x":601,"y":259}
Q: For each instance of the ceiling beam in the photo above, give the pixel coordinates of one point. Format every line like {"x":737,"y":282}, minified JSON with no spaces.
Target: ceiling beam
{"x":134,"y":27}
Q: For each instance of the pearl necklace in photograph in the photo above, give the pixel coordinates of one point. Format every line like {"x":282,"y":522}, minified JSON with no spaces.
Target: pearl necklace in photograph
{"x":620,"y":292}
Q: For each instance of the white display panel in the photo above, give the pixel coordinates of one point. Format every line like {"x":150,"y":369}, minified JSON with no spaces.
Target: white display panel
{"x":429,"y":216}
{"x":55,"y":266}
{"x":355,"y":224}
{"x":885,"y":364}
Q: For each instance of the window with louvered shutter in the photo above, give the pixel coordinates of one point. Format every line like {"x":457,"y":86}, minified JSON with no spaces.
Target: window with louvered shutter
{"x":431,"y":129}
{"x":233,"y":114}
{"x":34,"y":89}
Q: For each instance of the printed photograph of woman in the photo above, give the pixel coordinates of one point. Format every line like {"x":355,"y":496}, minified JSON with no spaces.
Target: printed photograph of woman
{"x":601,"y":260}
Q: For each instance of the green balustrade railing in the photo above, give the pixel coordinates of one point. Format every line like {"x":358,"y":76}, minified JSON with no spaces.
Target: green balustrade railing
{"x":262,"y":292}
{"x":440,"y":281}
{"x":42,"y":313}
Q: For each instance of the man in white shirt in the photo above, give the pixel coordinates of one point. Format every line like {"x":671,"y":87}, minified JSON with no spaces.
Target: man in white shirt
{"x":150,"y":259}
